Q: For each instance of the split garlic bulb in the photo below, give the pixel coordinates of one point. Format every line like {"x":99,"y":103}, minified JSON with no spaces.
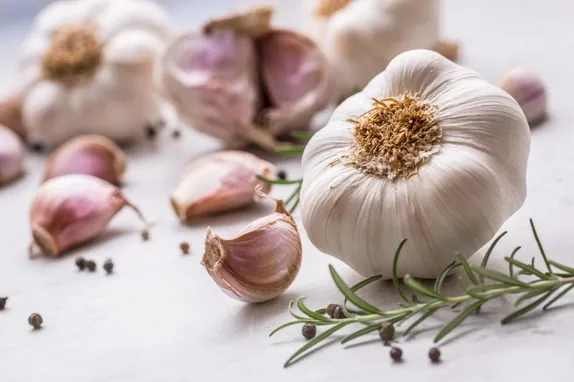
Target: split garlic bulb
{"x":360,"y":37}
{"x":429,"y":152}
{"x":88,"y":68}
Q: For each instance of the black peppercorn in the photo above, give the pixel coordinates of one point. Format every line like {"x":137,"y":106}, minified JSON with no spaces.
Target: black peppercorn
{"x":145,"y":235}
{"x":434,"y":355}
{"x":91,"y":265}
{"x":176,"y":134}
{"x":387,"y":331}
{"x":331,"y":310}
{"x":309,"y":331}
{"x":36,"y":321}
{"x":108,"y":266}
{"x":150,"y":132}
{"x":184,"y":248}
{"x":338,"y":313}
{"x":81,"y":263}
{"x":282,"y":175}
{"x":36,"y":147}
{"x":396,"y":354}
{"x":3,"y":302}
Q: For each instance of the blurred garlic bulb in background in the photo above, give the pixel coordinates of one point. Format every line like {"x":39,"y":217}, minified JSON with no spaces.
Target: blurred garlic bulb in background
{"x":11,"y":114}
{"x":529,"y":91}
{"x":429,"y":152}
{"x":87,"y":67}
{"x":261,"y":262}
{"x":220,"y":182}
{"x":360,"y":37}
{"x":11,"y":156}
{"x":243,"y":82}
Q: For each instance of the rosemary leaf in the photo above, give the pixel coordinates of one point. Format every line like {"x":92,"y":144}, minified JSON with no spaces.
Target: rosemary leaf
{"x":528,"y":268}
{"x":458,"y":319}
{"x":361,"y":332}
{"x":489,"y":252}
{"x":292,"y":312}
{"x":351,"y":295}
{"x":294,"y":194}
{"x":358,"y":286}
{"x":467,"y":269}
{"x":443,"y":275}
{"x":289,"y":149}
{"x":312,"y":343}
{"x":540,"y":246}
{"x":321,"y":311}
{"x":486,"y":287}
{"x":295,"y":205}
{"x":309,"y":312}
{"x":498,"y":276}
{"x":302,"y":135}
{"x":510,"y":269}
{"x":420,"y":320}
{"x":557,"y":297}
{"x":527,"y":308}
{"x":529,"y":295}
{"x":562,"y":267}
{"x":396,"y":282}
{"x":290,"y":323}
{"x":278,"y":181}
{"x":417,"y":287}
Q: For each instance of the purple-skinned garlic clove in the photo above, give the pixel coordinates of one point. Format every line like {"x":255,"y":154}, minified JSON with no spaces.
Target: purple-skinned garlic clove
{"x":72,"y":209}
{"x":296,"y":80}
{"x":218,"y":183}
{"x":12,"y":155}
{"x":261,"y":262}
{"x":93,"y":155}
{"x":529,"y":91}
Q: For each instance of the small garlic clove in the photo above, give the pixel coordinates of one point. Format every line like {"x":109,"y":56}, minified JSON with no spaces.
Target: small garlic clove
{"x":529,"y":91}
{"x":90,"y":155}
{"x":11,"y":156}
{"x":261,"y":262}
{"x":296,"y":80}
{"x":11,"y":114}
{"x":219,"y":182}
{"x":72,"y":209}
{"x":447,"y":48}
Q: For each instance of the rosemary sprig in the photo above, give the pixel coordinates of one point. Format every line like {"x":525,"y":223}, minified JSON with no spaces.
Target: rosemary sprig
{"x":292,"y":200}
{"x":541,"y":286}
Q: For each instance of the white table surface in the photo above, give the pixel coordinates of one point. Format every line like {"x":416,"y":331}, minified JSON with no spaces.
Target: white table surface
{"x":161,"y":318}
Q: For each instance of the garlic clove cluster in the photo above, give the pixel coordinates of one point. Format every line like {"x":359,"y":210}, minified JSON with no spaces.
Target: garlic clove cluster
{"x":220,"y":182}
{"x":90,"y":155}
{"x":261,"y":262}
{"x":429,"y":152}
{"x":528,"y":89}
{"x":12,"y":155}
{"x":242,"y":81}
{"x":72,"y":209}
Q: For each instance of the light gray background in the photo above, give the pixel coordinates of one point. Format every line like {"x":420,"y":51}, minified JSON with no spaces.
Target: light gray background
{"x":161,"y":318}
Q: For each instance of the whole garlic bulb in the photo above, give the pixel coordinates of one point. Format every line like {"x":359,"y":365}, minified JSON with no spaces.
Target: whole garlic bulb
{"x":11,"y":156}
{"x":429,"y":152}
{"x":360,"y":37}
{"x":87,"y":67}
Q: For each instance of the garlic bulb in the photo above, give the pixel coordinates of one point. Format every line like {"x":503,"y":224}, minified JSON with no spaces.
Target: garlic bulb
{"x":90,"y":155}
{"x":88,"y":68}
{"x":429,"y":152}
{"x":261,"y":262}
{"x":360,"y":37}
{"x":71,"y":209}
{"x":11,"y":156}
{"x":529,"y":91}
{"x":220,"y":182}
{"x":243,"y":82}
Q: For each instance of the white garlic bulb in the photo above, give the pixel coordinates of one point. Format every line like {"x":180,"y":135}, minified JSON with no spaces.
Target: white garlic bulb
{"x":87,"y":67}
{"x":360,"y":37}
{"x":429,"y":152}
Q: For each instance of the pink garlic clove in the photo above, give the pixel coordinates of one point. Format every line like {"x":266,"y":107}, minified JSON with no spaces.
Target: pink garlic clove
{"x":11,"y":156}
{"x":219,"y":182}
{"x":261,"y":262}
{"x":71,"y":209}
{"x":296,"y":80}
{"x":90,"y":155}
{"x":529,"y":91}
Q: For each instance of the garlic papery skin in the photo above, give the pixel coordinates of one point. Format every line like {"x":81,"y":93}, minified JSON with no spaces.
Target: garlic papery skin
{"x":360,"y":37}
{"x":528,"y":89}
{"x":12,"y":155}
{"x":429,"y":152}
{"x":220,"y":182}
{"x":87,"y":67}
{"x":90,"y":155}
{"x":261,"y":262}
{"x":71,"y":209}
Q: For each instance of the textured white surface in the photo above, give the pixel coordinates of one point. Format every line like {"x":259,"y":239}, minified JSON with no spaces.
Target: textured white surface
{"x":161,"y":318}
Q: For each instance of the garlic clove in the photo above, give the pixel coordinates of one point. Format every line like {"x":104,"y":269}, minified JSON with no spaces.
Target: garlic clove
{"x":448,"y":48}
{"x":11,"y":156}
{"x":93,"y":155}
{"x":529,"y":91}
{"x":261,"y":262}
{"x":71,"y":209}
{"x":11,"y":114}
{"x":219,"y":182}
{"x":296,"y":80}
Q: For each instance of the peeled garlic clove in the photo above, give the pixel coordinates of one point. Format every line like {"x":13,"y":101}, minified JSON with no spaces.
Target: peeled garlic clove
{"x":90,"y":155}
{"x":11,"y":156}
{"x":212,"y":82}
{"x":529,"y":91}
{"x":220,"y":182}
{"x":261,"y":262}
{"x":11,"y":114}
{"x":296,"y":80}
{"x":72,"y":209}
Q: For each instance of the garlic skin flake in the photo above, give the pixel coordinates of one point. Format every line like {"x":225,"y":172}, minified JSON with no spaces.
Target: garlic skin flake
{"x":360,"y":37}
{"x":449,"y":167}
{"x":220,"y":182}
{"x":261,"y":262}
{"x":90,"y":155}
{"x":87,"y":67}
{"x":12,"y":156}
{"x":71,"y":209}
